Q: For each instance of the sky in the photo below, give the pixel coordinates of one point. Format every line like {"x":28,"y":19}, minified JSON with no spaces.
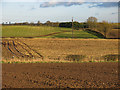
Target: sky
{"x":58,"y":11}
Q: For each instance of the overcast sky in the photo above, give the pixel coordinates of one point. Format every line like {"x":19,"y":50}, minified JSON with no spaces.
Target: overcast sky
{"x":54,"y":11}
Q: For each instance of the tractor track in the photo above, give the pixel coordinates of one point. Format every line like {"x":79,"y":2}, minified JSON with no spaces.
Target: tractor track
{"x":51,"y":34}
{"x":32,"y":50}
{"x":14,"y":50}
{"x":23,"y":55}
{"x":11,"y":46}
{"x":30,"y":54}
{"x":8,"y":46}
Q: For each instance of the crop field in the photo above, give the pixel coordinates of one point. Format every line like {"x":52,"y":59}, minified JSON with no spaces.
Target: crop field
{"x":44,"y":32}
{"x":60,"y":49}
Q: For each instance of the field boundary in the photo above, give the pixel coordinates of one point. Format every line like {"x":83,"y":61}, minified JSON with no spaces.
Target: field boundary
{"x":52,"y":61}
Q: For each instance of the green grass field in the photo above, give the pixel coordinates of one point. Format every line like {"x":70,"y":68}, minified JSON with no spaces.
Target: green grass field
{"x":43,"y":32}
{"x":76,"y":34}
{"x":29,"y":31}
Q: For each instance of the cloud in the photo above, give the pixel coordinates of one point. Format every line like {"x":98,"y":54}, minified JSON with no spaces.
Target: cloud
{"x":53,"y":4}
{"x":96,"y":14}
{"x":33,"y":8}
{"x":104,"y":4}
{"x":60,"y":0}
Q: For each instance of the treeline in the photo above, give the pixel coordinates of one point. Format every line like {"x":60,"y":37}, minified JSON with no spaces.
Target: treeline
{"x":76,"y":25}
{"x":91,"y":23}
{"x":48,"y":23}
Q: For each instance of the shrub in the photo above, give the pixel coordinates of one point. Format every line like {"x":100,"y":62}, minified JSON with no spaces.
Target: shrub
{"x":104,"y":27}
{"x":113,"y":34}
{"x":75,"y":57}
{"x":111,"y":57}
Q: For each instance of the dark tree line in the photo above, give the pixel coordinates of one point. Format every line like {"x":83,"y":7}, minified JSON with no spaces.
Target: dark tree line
{"x":76,"y":25}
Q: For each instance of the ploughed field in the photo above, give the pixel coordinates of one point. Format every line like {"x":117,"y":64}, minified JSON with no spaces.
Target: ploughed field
{"x":59,"y":75}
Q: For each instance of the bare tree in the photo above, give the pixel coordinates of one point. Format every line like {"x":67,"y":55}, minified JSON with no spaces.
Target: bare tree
{"x":104,"y":27}
{"x":48,"y":23}
{"x":92,"y":22}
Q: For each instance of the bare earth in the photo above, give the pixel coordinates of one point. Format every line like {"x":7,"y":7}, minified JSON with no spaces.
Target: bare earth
{"x":60,"y":75}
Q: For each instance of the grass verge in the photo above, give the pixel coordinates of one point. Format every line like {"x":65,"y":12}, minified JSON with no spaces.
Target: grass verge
{"x":10,"y":62}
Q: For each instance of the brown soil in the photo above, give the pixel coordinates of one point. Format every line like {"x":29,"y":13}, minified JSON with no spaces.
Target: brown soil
{"x":59,"y":75}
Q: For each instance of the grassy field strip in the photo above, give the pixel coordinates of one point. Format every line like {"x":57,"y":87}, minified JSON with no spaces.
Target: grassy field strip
{"x":71,"y":39}
{"x":76,"y":34}
{"x":50,"y":61}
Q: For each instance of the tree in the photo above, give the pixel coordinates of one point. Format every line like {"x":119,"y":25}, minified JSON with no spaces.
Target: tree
{"x":2,"y":23}
{"x":66,"y":24}
{"x":104,"y":27}
{"x":32,"y":23}
{"x":76,"y":25}
{"x":48,"y":23}
{"x":92,"y":22}
{"x":38,"y":23}
{"x":9,"y":23}
{"x":25,"y":23}
{"x":55,"y":24}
